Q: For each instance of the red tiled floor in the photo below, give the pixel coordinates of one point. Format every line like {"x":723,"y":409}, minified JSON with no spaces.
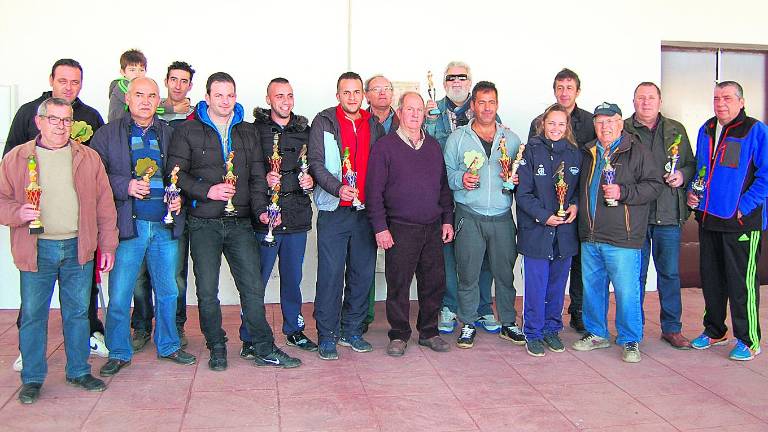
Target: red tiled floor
{"x":495,"y":386}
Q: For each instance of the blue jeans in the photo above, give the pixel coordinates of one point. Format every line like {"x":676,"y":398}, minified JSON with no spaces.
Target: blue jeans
{"x":155,"y":244}
{"x":544,"y":293}
{"x":450,"y":299}
{"x":602,"y":263}
{"x":664,"y":241}
{"x":290,"y":248}
{"x":56,"y":260}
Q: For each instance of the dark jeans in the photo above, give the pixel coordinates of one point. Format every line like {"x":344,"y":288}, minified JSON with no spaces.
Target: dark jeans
{"x":143,"y":309}
{"x":234,"y":237}
{"x":664,"y":242}
{"x":418,"y":249}
{"x":346,"y":262}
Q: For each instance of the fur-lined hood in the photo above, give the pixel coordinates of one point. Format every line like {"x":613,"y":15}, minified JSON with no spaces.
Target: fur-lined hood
{"x":297,"y":122}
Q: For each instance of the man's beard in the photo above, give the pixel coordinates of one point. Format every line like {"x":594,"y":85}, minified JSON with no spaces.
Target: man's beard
{"x":457,"y":95}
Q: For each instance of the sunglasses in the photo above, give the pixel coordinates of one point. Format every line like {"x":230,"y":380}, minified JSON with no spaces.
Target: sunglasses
{"x":456,"y":77}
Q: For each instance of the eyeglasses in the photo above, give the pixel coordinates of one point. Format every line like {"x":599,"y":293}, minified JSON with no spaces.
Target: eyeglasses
{"x":380,"y":89}
{"x":456,"y":77}
{"x":54,"y":121}
{"x":604,"y":123}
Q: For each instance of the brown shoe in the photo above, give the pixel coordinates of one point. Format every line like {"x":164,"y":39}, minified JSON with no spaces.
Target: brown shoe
{"x":396,"y":348}
{"x":677,"y":340}
{"x":435,"y":343}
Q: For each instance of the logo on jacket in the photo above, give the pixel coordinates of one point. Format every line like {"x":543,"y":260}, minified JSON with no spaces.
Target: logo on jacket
{"x":540,"y":171}
{"x":574,"y":170}
{"x":523,"y":162}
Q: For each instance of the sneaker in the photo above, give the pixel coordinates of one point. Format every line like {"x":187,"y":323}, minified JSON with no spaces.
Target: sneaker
{"x":180,"y":357}
{"x":447,"y":321}
{"x":183,"y":341}
{"x":357,"y":343}
{"x":98,"y":346}
{"x":18,"y":364}
{"x":703,"y":342}
{"x":396,"y":348}
{"x":631,"y":352}
{"x":112,"y":367}
{"x":218,"y":360}
{"x":513,"y":334}
{"x":88,"y":382}
{"x":301,"y":341}
{"x":741,"y":352}
{"x":467,"y":337}
{"x":29,"y":392}
{"x":589,"y":342}
{"x":553,"y":342}
{"x":277,"y":358}
{"x":577,"y":323}
{"x":138,"y":340}
{"x":488,"y":323}
{"x":677,"y":340}
{"x":247,"y":352}
{"x":327,"y":350}
{"x":535,"y":347}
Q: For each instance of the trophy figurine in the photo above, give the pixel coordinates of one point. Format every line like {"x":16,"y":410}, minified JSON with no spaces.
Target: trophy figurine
{"x":33,"y":192}
{"x":504,"y":161}
{"x":674,"y":155}
{"x":561,"y":189}
{"x":609,"y":173}
{"x":304,"y":167}
{"x":474,"y":160}
{"x":145,"y":168}
{"x":273,"y":211}
{"x":351,"y":177}
{"x":171,"y":193}
{"x":516,"y":165}
{"x":432,"y":93}
{"x":697,"y":187}
{"x":274,"y":161}
{"x":231,"y":179}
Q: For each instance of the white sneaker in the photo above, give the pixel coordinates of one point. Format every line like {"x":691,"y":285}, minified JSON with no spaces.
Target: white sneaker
{"x":98,"y":347}
{"x":447,"y":321}
{"x":17,"y":365}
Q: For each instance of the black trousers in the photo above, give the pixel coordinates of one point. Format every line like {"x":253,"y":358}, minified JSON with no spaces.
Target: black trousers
{"x":728,"y":268}
{"x":576,"y":289}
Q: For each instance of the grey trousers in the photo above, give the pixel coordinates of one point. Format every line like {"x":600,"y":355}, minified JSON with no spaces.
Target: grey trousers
{"x":475,"y":235}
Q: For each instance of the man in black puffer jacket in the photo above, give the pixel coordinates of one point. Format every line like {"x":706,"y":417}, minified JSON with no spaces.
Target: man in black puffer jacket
{"x":291,"y":133}
{"x":204,"y":149}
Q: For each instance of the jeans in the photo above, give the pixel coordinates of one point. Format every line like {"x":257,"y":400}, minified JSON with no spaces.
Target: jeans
{"x":154,"y":244}
{"x":664,"y":241}
{"x":290,"y":248}
{"x":233,"y":237}
{"x":602,"y":263}
{"x":452,"y":283}
{"x":56,"y":260}
{"x":544,"y":293}
{"x":141,"y":318}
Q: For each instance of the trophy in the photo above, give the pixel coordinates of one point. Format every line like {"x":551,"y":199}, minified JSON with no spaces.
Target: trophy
{"x":274,"y":161}
{"x":697,"y":187}
{"x":231,"y":179}
{"x":609,"y":173}
{"x":432,"y":94}
{"x":273,"y":211}
{"x":304,"y":167}
{"x":474,"y":160}
{"x":146,"y":168}
{"x":561,"y":189}
{"x":674,"y":155}
{"x":171,"y":193}
{"x":515,"y":166}
{"x":351,"y":178}
{"x":504,"y":161}
{"x":33,"y":192}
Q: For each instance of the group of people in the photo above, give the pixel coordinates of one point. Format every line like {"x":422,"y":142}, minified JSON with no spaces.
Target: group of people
{"x":430,"y":182}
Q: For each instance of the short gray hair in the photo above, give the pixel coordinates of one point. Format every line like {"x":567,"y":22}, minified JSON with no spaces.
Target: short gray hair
{"x":406,"y":94}
{"x":42,"y":109}
{"x":460,"y":64}
{"x":734,"y":84}
{"x":368,"y":81}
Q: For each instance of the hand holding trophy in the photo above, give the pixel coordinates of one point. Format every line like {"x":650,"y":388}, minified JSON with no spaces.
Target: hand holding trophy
{"x":304,"y":167}
{"x":351,"y":177}
{"x":504,"y":161}
{"x":273,"y":211}
{"x":698,"y":185}
{"x":561,"y":189}
{"x":275,"y":161}
{"x":609,"y":174}
{"x":516,"y":165}
{"x":432,"y":94}
{"x":474,"y":160}
{"x":33,"y":192}
{"x":231,"y":179}
{"x":674,"y":155}
{"x":171,"y":193}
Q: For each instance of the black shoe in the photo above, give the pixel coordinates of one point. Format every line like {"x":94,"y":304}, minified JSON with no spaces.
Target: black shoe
{"x":218,"y":360}
{"x":576,"y":322}
{"x":535,"y":347}
{"x":182,"y":337}
{"x":467,"y":336}
{"x":113,"y":366}
{"x":29,"y":393}
{"x":513,"y":334}
{"x":247,"y":352}
{"x":180,"y":357}
{"x":365,"y":327}
{"x":301,"y":340}
{"x":553,"y":342}
{"x":88,"y":382}
{"x":277,"y":358}
{"x":139,"y":340}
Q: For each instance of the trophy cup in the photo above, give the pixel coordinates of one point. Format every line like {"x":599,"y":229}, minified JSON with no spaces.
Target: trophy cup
{"x":609,"y":173}
{"x":515,"y":165}
{"x":304,"y":167}
{"x":697,"y":187}
{"x":33,"y":192}
{"x":351,"y":178}
{"x":504,"y":161}
{"x":561,"y":189}
{"x":674,"y":155}
{"x":231,"y":179}
{"x":474,"y":160}
{"x":274,"y":162}
{"x":171,"y":193}
{"x":273,"y":211}
{"x":432,"y":94}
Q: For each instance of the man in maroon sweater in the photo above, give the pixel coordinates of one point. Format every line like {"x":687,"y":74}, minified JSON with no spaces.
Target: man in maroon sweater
{"x":411,"y":211}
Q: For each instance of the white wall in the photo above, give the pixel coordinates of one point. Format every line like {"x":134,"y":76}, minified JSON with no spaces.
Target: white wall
{"x":518,"y":45}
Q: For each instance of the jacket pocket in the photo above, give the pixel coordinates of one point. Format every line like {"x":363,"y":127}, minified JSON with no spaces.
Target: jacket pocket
{"x":731,"y":154}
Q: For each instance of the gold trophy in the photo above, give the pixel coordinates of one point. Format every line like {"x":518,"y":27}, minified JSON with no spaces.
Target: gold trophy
{"x":674,"y":155}
{"x":33,"y":192}
{"x":504,"y":161}
{"x":146,"y":168}
{"x":561,"y":189}
{"x":432,"y":94}
{"x":474,"y":160}
{"x":171,"y":193}
{"x":304,"y":167}
{"x":275,"y":161}
{"x":516,"y":164}
{"x":231,"y":179}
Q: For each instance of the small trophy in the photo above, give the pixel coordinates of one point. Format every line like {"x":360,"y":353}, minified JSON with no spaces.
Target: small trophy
{"x":33,"y":192}
{"x":609,"y":173}
{"x":304,"y":167}
{"x":474,"y":160}
{"x":274,"y":161}
{"x":516,"y":165}
{"x":171,"y":193}
{"x":561,"y":189}
{"x":504,"y":161}
{"x":147,"y":167}
{"x":697,"y":187}
{"x":432,"y":93}
{"x":231,"y":179}
{"x":351,"y":177}
{"x":273,"y":211}
{"x":674,"y":155}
